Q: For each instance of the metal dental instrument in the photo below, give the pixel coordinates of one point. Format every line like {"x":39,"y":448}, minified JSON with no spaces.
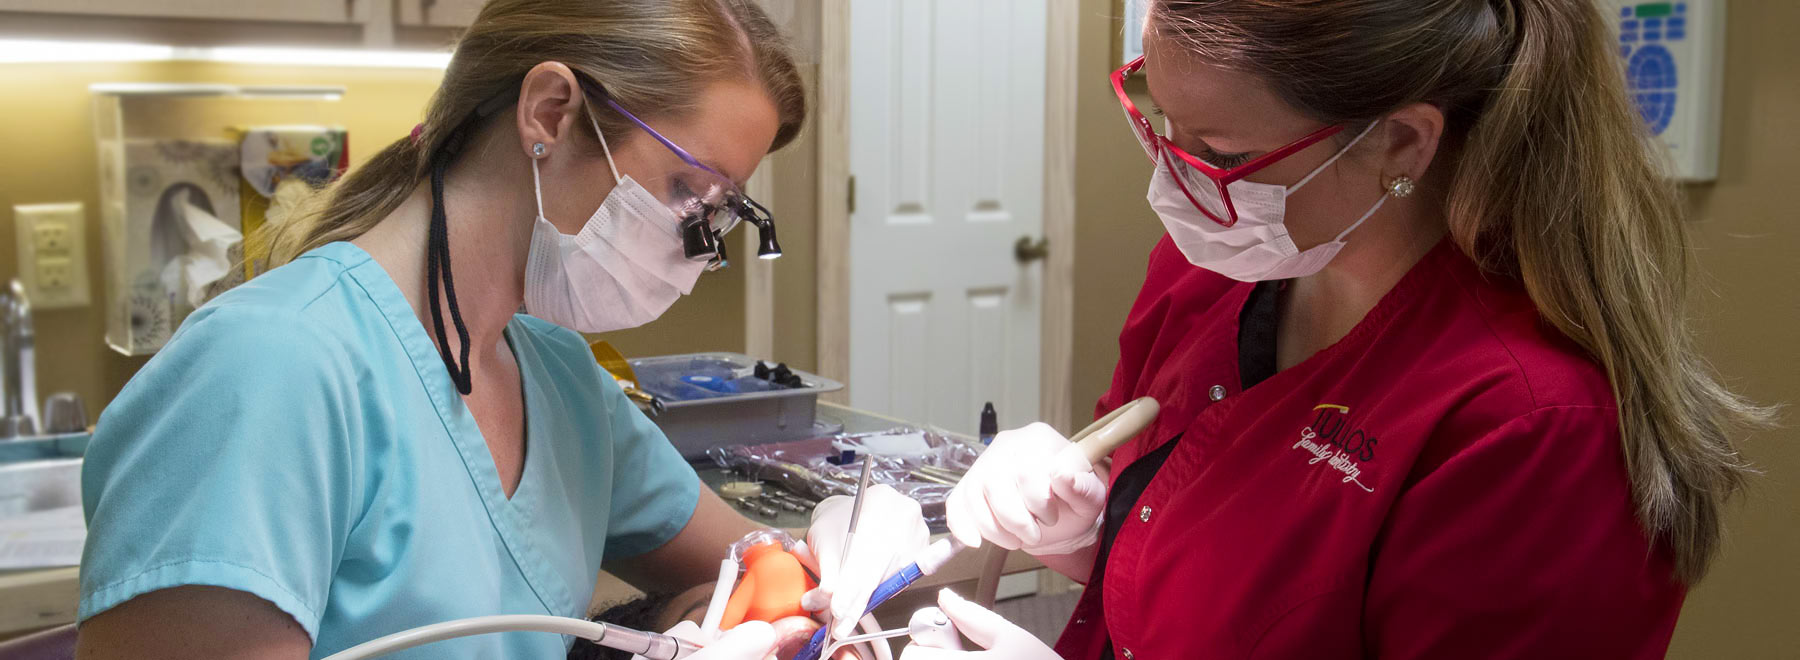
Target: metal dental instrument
{"x":649,"y":645}
{"x":944,"y":471}
{"x":931,"y":477}
{"x":856,"y":505}
{"x":756,"y":508}
{"x":927,"y":621}
{"x":1097,"y":441}
{"x":778,"y":503}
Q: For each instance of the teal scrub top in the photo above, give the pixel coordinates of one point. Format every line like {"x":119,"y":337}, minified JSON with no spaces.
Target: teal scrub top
{"x":299,"y":439}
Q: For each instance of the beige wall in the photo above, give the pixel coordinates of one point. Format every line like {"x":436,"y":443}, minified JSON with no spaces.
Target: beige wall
{"x":1114,"y":228}
{"x":1748,"y":233}
{"x":49,"y":157}
{"x":796,"y":201}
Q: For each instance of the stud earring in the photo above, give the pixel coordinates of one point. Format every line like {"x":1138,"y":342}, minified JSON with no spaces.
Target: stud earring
{"x":1401,"y":186}
{"x":537,"y":150}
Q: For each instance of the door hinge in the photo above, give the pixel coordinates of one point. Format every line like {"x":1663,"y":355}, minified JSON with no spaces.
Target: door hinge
{"x":850,"y":195}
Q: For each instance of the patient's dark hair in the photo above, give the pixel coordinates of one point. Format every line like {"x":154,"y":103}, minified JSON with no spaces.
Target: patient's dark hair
{"x":637,"y":614}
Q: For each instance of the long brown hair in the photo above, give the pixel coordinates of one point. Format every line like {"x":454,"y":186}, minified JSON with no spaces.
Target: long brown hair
{"x":1550,"y":183}
{"x":654,"y":57}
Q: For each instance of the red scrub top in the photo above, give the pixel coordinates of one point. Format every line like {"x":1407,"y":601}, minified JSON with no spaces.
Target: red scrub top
{"x":1446,"y":481}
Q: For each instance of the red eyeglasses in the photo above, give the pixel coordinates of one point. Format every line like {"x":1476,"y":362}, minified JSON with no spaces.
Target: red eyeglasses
{"x":1158,"y":146}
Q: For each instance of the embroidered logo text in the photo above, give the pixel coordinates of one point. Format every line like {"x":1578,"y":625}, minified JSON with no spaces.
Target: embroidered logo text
{"x":1335,"y":449}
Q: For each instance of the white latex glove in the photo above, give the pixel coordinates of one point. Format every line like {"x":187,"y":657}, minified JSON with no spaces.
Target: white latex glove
{"x":750,"y":640}
{"x":1032,"y":490}
{"x":891,"y":533}
{"x":1001,"y":639}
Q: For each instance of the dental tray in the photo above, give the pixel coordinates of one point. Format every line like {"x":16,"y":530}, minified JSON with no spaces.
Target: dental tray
{"x":922,"y":464}
{"x":711,"y":400}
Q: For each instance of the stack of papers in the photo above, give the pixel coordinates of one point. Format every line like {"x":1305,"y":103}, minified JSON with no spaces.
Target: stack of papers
{"x":43,"y":539}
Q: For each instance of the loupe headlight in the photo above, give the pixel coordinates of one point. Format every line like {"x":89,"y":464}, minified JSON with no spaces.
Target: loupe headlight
{"x":754,"y":213}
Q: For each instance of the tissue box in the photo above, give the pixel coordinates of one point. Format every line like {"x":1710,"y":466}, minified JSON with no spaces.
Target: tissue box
{"x":281,"y":166}
{"x":169,"y":215}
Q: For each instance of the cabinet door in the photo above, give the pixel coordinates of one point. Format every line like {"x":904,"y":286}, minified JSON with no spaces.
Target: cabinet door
{"x":439,"y":13}
{"x":282,"y":11}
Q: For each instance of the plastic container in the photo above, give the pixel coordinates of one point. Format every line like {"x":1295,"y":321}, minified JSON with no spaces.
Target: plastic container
{"x":171,"y":205}
{"x":710,"y":401}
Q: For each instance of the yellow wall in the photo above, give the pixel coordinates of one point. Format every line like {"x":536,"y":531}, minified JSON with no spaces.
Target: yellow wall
{"x":1747,"y":233}
{"x":50,"y":157}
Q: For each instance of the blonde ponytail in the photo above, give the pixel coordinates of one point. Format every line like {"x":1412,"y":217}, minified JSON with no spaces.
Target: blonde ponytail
{"x":1595,"y":233}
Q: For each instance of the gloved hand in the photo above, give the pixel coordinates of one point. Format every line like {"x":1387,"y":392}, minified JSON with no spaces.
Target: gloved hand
{"x":750,"y":640}
{"x":1001,"y":639}
{"x":891,"y":533}
{"x":1032,"y":490}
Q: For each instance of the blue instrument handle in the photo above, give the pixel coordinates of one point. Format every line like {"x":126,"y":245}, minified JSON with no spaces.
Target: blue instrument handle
{"x":887,"y":589}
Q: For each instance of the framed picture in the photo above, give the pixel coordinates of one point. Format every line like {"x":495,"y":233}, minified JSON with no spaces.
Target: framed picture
{"x":1130,"y":36}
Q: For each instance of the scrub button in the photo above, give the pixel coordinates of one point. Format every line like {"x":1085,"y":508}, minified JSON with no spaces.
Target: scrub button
{"x":1080,"y":620}
{"x":1127,"y":653}
{"x":1217,"y":393}
{"x":1144,"y":514}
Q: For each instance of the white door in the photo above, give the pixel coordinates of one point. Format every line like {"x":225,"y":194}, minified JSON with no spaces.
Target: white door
{"x":946,"y":147}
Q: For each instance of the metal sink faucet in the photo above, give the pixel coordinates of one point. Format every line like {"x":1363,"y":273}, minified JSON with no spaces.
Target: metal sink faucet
{"x":18,"y":369}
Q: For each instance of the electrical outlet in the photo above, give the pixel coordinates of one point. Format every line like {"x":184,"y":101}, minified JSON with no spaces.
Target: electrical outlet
{"x":52,"y":237}
{"x":54,"y":274}
{"x":52,"y":254}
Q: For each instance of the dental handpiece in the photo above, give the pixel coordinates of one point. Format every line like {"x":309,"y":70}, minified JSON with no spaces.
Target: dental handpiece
{"x":647,"y":644}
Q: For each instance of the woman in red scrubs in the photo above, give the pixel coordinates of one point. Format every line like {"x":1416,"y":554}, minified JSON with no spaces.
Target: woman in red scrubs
{"x":1418,"y":334}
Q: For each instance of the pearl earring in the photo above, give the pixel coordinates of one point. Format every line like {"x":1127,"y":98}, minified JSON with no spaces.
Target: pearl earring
{"x":1401,"y":186}
{"x":537,"y":150}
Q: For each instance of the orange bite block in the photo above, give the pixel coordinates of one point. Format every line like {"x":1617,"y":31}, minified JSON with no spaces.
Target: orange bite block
{"x":771,"y":587}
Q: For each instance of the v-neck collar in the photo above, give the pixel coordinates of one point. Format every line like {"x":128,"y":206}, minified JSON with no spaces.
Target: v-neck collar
{"x":1396,"y":298}
{"x":511,"y":519}
{"x":526,"y":495}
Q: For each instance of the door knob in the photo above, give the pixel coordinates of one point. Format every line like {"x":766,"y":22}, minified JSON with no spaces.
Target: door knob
{"x":1027,"y":251}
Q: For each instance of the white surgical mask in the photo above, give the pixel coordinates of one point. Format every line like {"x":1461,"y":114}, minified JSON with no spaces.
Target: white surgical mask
{"x":1256,"y":248}
{"x":622,"y":270}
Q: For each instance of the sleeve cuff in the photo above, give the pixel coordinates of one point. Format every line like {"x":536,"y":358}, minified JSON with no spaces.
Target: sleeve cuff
{"x":200,"y":572}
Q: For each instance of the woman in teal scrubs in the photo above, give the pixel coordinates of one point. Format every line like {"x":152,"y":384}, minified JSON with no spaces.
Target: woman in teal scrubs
{"x":370,"y":438}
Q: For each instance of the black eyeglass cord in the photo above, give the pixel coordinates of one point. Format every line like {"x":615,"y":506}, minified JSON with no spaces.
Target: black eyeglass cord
{"x":437,"y":249}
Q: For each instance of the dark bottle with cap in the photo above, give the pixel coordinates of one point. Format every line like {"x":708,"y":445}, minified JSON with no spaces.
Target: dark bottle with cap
{"x":990,"y":423}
